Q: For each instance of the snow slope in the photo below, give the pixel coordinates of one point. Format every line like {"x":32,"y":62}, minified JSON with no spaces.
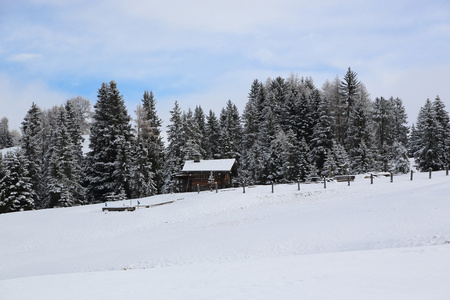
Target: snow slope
{"x":381,"y":241}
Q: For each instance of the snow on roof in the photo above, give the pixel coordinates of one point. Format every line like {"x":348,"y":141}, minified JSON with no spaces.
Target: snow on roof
{"x":209,"y":165}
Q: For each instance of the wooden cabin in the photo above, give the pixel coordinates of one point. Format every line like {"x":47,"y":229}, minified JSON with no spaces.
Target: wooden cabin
{"x":205,"y":173}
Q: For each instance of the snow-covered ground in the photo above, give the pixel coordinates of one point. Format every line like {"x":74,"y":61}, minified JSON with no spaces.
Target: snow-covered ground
{"x":381,"y":241}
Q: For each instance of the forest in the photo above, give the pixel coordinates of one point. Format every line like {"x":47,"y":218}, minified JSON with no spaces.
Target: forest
{"x":290,"y":130}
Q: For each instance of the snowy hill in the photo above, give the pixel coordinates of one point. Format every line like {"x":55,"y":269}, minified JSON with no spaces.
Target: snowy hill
{"x":381,"y":241}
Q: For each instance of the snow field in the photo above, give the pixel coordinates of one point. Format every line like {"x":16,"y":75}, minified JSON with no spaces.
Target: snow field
{"x":380,"y":241}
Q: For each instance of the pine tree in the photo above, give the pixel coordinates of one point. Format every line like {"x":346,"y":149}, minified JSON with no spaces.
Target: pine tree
{"x":200,"y":121}
{"x":349,"y":94}
{"x":193,"y":137}
{"x":175,"y":151}
{"x":6,"y":140}
{"x":111,"y":140}
{"x":306,"y":168}
{"x":427,"y":154}
{"x":16,"y":190}
{"x":231,"y":131}
{"x":383,"y":121}
{"x":62,"y":173}
{"x":81,"y":113}
{"x":212,"y":136}
{"x":359,"y":140}
{"x":322,"y":134}
{"x":331,"y":91}
{"x":400,"y":121}
{"x":149,"y":139}
{"x":442,"y":131}
{"x":32,"y":146}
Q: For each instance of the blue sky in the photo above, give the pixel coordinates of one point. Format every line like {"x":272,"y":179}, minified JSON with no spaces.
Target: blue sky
{"x":206,"y":52}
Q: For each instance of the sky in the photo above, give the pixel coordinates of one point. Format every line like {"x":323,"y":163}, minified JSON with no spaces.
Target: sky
{"x":208,"y":52}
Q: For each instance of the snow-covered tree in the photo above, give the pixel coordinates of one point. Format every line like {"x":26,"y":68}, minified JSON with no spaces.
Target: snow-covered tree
{"x":149,"y":140}
{"x":16,"y":189}
{"x":431,"y":136}
{"x":231,"y":131}
{"x":322,"y":134}
{"x":359,"y":140}
{"x":32,"y":146}
{"x":193,"y":137}
{"x":6,"y":139}
{"x":175,"y":152}
{"x":111,"y":140}
{"x":212,"y":136}
{"x":81,"y":111}
{"x":62,"y":172}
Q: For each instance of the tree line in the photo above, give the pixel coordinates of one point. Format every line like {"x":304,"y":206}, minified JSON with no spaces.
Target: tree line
{"x":289,"y":130}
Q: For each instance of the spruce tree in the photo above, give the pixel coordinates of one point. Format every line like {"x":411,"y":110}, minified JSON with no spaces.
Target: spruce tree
{"x":359,"y":140}
{"x":16,"y":189}
{"x":322,"y":134}
{"x":62,"y":173}
{"x":193,"y":137}
{"x":33,"y":149}
{"x":442,"y":131}
{"x":212,"y":136}
{"x":175,"y":152}
{"x":111,"y":140}
{"x":349,"y":94}
{"x":149,"y":139}
{"x":6,"y":140}
{"x":231,"y":131}
{"x":427,"y":154}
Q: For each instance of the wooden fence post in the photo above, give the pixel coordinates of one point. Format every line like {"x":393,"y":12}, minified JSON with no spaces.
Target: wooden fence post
{"x":430,"y":169}
{"x":272,"y":187}
{"x":324,"y":182}
{"x":412,"y":172}
{"x":371,"y":178}
{"x":392,"y":176}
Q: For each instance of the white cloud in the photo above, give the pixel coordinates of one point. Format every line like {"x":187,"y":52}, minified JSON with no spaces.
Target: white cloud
{"x":23,"y":57}
{"x":16,"y":98}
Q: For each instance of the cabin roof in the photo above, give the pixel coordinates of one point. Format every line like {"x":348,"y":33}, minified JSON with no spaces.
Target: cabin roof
{"x":209,"y":165}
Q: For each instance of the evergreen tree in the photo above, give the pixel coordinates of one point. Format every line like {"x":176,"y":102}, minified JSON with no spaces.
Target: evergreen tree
{"x":383,"y":120}
{"x":175,"y":151}
{"x":349,"y":94}
{"x":16,"y":190}
{"x":200,"y":121}
{"x":193,"y":137}
{"x":442,"y":131}
{"x":306,"y":168}
{"x":322,"y":134}
{"x":32,"y":146}
{"x":212,"y":136}
{"x":149,"y":140}
{"x":400,"y":121}
{"x":6,"y":140}
{"x":359,"y":140}
{"x":81,"y":113}
{"x":231,"y":131}
{"x":331,"y":91}
{"x":427,"y":154}
{"x":111,"y":140}
{"x":293,"y":158}
{"x":62,"y":173}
